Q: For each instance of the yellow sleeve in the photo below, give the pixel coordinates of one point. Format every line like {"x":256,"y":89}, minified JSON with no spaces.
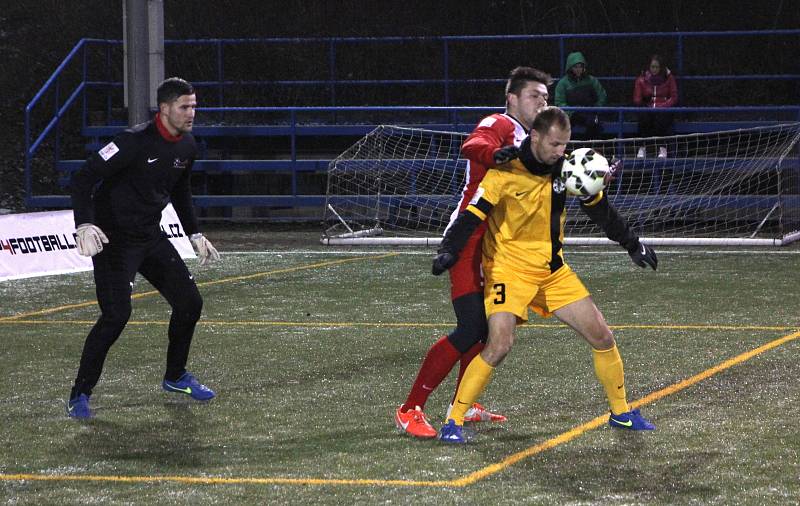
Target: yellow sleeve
{"x":488,"y":194}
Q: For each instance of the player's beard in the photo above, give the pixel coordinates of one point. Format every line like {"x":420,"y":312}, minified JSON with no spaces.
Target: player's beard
{"x":182,"y":128}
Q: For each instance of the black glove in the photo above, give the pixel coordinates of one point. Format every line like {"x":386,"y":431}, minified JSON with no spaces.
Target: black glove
{"x":505,"y":154}
{"x":614,"y":168}
{"x":443,"y":261}
{"x":643,"y":255}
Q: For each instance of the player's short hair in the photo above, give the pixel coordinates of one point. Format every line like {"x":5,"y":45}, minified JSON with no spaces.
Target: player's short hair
{"x":548,"y":117}
{"x":521,"y":76}
{"x":170,"y":89}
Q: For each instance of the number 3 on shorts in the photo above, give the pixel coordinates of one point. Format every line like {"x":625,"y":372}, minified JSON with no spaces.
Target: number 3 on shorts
{"x":500,"y":291}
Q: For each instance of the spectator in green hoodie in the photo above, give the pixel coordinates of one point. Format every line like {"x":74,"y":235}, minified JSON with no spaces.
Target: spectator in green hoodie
{"x":579,"y":89}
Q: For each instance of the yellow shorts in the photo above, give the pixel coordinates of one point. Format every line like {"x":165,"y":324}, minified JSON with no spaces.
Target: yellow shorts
{"x":509,"y":291}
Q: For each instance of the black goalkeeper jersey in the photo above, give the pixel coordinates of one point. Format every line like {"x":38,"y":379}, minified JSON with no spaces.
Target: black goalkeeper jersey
{"x":124,"y":186}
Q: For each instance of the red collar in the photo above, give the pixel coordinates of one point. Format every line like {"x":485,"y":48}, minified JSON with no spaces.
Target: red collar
{"x":164,"y":132}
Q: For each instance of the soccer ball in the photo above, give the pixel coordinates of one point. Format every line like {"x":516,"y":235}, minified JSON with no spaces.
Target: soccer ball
{"x":584,"y":172}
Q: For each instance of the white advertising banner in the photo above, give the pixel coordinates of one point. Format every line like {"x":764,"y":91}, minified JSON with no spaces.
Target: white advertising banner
{"x":41,"y":244}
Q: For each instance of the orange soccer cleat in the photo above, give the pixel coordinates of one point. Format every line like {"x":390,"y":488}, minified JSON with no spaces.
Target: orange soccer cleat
{"x":478,"y":413}
{"x":414,"y":422}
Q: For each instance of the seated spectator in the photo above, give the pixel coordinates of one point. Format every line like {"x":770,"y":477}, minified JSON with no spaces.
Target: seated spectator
{"x":655,"y":88}
{"x":579,"y":89}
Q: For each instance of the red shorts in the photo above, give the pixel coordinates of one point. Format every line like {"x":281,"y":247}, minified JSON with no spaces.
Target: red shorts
{"x":466,"y":275}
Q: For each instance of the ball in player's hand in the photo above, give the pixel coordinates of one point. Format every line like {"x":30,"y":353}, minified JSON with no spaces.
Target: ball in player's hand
{"x":584,"y":172}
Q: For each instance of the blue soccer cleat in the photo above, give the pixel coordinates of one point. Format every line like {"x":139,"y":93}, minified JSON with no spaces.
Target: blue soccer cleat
{"x":452,"y":433}
{"x":78,"y":407}
{"x":631,"y":420}
{"x":188,"y":384}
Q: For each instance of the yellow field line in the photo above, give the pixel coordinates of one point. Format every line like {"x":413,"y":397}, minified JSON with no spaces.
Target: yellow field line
{"x":738,"y":359}
{"x":529,"y":452}
{"x":204,"y":283}
{"x":272,"y":323}
{"x":219,"y":481}
{"x":458,"y":482}
{"x":601,"y":420}
{"x":704,"y":327}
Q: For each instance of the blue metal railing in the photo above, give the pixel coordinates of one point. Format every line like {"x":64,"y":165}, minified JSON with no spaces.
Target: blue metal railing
{"x":458,"y":119}
{"x":35,"y":135}
{"x":60,"y":109}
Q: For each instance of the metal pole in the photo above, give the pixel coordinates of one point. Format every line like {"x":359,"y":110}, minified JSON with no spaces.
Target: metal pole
{"x":155,"y":27}
{"x":136,"y":48}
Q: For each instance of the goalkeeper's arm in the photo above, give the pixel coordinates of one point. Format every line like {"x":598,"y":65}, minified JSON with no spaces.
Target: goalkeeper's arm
{"x":458,"y":234}
{"x":600,"y":211}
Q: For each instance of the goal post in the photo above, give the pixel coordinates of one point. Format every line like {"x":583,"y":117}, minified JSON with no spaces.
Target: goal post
{"x":399,"y":185}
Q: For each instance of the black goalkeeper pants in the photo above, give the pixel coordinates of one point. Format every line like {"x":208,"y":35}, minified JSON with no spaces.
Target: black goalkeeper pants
{"x":114,"y":271}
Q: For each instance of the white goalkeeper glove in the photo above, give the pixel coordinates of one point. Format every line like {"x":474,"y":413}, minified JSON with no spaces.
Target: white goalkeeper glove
{"x":90,"y":239}
{"x":206,"y":251}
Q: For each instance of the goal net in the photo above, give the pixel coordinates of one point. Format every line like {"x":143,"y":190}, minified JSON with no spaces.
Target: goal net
{"x":400,"y":185}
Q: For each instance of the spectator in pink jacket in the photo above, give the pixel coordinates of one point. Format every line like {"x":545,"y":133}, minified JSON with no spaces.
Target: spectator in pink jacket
{"x":655,"y":88}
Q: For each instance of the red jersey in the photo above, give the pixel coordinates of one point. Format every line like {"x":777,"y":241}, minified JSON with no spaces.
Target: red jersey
{"x":492,"y":133}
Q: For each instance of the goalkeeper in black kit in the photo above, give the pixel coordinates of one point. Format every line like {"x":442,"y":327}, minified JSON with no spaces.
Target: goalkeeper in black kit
{"x":117,"y":199}
{"x":523,"y":203}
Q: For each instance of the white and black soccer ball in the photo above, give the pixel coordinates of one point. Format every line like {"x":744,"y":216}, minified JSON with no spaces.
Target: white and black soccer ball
{"x":584,"y":172}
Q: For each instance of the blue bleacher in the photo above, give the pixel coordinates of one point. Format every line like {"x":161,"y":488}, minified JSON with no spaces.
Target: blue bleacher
{"x":344,"y":124}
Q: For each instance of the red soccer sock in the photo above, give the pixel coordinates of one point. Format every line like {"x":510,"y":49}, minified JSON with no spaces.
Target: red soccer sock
{"x":466,"y":358}
{"x":440,"y":359}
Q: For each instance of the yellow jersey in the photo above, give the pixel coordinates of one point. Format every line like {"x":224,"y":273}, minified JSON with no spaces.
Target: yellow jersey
{"x":526,"y":222}
{"x":524,"y":204}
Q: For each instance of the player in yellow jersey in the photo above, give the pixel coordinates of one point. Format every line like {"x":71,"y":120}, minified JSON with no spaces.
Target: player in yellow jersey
{"x":523,"y":202}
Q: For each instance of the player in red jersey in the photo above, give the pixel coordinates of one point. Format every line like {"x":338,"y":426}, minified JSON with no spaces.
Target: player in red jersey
{"x":494,"y":141}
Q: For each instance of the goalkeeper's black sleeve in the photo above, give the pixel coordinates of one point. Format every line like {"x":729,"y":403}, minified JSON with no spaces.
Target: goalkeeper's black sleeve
{"x":457,"y":236}
{"x":459,"y":232}
{"x":614,"y":225}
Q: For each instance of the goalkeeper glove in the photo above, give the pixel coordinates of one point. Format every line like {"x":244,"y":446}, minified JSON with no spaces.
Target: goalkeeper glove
{"x":90,"y":239}
{"x":505,"y":154}
{"x":643,"y":255}
{"x":443,"y":261}
{"x":206,"y":251}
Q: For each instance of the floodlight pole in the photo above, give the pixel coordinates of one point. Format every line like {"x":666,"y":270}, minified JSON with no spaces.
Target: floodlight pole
{"x":143,"y":23}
